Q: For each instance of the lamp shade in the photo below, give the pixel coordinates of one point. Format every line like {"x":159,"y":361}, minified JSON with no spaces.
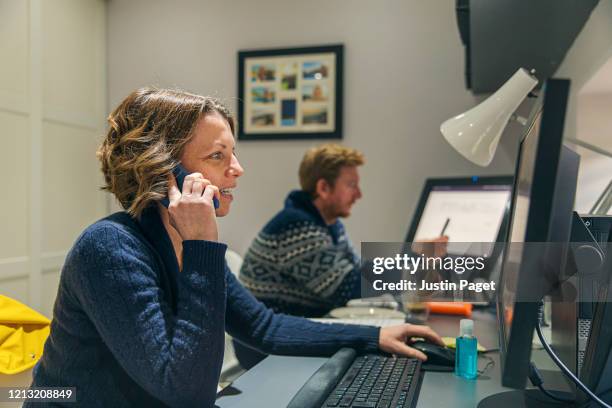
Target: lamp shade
{"x":476,"y":133}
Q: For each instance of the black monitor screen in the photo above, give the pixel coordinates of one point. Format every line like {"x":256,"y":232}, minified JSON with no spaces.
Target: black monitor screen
{"x":469,"y":210}
{"x":518,"y":224}
{"x":542,"y":202}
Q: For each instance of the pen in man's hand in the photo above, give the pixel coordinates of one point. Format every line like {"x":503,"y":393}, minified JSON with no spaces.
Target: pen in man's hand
{"x":445,"y":226}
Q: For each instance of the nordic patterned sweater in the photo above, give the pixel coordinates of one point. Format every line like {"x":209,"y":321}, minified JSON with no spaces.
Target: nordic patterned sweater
{"x":131,"y":330}
{"x":299,"y":265}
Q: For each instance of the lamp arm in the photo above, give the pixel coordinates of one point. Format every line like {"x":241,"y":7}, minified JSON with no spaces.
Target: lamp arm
{"x":589,"y":146}
{"x":604,"y":202}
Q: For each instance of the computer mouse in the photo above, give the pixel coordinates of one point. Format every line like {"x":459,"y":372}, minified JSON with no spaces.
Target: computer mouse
{"x":436,"y":355}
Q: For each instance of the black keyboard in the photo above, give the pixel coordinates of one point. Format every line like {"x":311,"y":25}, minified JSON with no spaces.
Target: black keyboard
{"x":368,"y":381}
{"x":375,"y":381}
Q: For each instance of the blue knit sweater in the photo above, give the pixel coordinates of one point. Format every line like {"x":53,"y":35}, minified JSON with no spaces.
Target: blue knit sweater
{"x":299,"y":265}
{"x":129,"y":329}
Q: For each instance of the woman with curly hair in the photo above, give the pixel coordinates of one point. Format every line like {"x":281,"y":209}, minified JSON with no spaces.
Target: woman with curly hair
{"x":145,"y":295}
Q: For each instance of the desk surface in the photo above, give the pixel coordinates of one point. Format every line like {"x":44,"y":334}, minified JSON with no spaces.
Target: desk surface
{"x":273,"y":382}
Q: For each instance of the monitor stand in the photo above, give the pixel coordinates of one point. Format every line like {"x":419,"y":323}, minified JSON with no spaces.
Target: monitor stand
{"x":531,"y":398}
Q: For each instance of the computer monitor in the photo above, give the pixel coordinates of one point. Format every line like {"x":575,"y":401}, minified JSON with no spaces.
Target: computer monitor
{"x":469,"y":210}
{"x":597,"y":368}
{"x":573,"y":308}
{"x":541,"y":212}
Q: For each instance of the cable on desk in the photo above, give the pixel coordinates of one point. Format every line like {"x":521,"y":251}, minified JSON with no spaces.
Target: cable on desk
{"x":567,"y":371}
{"x":604,"y":392}
{"x":490,"y":363}
{"x":536,"y":379}
{"x":599,"y":394}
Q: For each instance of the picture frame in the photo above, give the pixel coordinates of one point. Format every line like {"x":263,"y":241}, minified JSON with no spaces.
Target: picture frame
{"x":290,"y":93}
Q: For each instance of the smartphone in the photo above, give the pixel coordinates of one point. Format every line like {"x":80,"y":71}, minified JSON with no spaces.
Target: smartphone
{"x":179,"y":174}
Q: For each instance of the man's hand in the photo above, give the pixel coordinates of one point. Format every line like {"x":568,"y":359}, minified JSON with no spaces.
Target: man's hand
{"x":393,"y":339}
{"x":431,"y":247}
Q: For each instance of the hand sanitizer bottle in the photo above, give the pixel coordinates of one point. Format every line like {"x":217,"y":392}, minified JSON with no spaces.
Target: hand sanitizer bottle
{"x":466,"y":358}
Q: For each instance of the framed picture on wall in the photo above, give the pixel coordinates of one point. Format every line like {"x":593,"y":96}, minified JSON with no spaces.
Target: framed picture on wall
{"x":290,"y":93}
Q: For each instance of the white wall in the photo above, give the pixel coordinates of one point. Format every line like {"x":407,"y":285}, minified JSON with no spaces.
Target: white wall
{"x":591,"y":49}
{"x":590,"y":104}
{"x":594,"y":124}
{"x":52,"y":105}
{"x":403,"y":77}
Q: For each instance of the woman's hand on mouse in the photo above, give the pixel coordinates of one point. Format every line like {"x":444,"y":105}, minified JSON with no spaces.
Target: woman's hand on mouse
{"x":393,"y":339}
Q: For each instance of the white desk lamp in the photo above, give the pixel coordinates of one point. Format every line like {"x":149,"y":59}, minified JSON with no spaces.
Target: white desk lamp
{"x":476,"y":133}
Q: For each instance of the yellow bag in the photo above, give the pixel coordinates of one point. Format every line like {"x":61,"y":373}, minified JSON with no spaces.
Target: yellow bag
{"x":23,"y":333}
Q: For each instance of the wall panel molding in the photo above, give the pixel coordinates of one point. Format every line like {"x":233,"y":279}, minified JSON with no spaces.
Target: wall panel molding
{"x":13,"y":268}
{"x":14,"y":102}
{"x":35,"y":197}
{"x":53,"y":70}
{"x":14,"y":55}
{"x":76,"y":119}
{"x":52,"y":260}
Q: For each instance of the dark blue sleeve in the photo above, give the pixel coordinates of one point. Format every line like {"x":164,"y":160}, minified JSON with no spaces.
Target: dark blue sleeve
{"x":175,"y":357}
{"x":249,"y":321}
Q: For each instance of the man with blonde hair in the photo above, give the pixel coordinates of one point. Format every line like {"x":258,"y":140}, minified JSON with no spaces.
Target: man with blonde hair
{"x":302,"y":262}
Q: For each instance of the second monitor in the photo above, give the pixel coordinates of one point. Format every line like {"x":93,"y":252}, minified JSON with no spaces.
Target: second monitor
{"x":469,"y":210}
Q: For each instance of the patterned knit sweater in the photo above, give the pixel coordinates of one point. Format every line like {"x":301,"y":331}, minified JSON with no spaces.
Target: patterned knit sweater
{"x":299,"y":265}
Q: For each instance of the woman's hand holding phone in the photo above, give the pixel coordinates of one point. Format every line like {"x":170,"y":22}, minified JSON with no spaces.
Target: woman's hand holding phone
{"x":191,"y":211}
